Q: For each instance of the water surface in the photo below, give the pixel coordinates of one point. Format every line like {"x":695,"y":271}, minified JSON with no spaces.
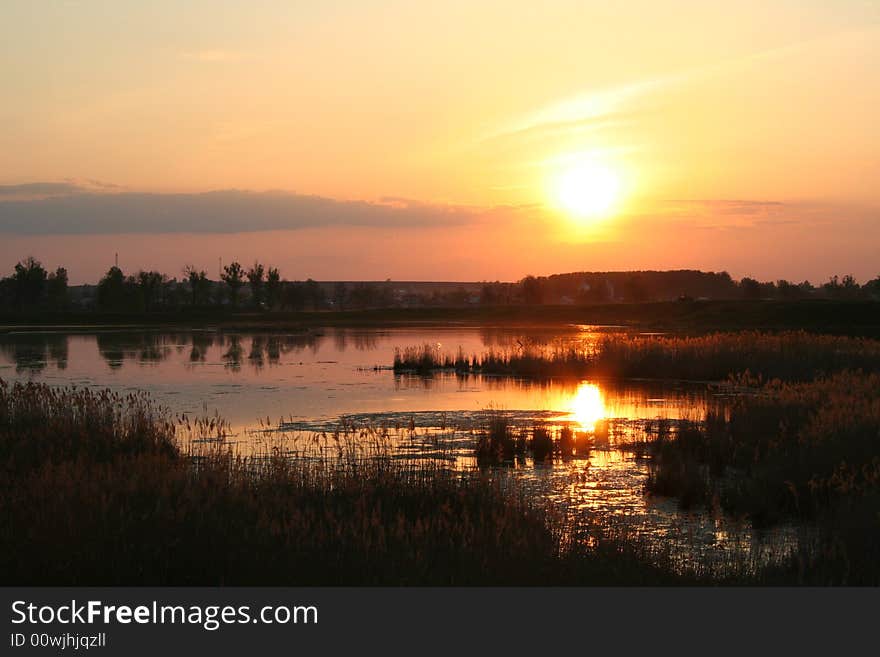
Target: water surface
{"x":321,"y":375}
{"x":271,"y":385}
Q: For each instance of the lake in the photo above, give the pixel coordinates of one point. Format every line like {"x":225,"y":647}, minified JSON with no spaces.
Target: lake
{"x":271,"y":385}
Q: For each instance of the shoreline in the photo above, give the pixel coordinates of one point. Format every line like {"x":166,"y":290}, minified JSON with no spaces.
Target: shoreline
{"x":843,"y":317}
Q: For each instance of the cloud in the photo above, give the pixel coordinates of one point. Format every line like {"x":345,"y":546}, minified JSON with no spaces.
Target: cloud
{"x":764,"y":217}
{"x":598,"y":109}
{"x":719,"y":214}
{"x":38,"y":189}
{"x":68,"y":209}
{"x":736,"y":207}
{"x":538,"y":131}
{"x":584,"y":107}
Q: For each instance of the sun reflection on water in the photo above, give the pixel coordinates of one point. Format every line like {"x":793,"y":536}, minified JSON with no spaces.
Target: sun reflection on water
{"x":587,"y":406}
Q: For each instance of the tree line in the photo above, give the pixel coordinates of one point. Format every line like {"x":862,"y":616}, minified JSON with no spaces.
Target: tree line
{"x":646,"y":286}
{"x":32,"y":287}
{"x":259,"y":287}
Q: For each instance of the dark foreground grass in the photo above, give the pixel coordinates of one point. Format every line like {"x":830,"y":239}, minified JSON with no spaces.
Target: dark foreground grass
{"x":807,"y":452}
{"x":790,"y":356}
{"x":102,"y":489}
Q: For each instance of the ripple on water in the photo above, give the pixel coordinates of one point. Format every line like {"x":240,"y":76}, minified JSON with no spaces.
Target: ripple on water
{"x":607,"y":486}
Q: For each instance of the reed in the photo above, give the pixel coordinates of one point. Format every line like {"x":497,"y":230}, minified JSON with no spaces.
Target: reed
{"x":102,"y":489}
{"x":790,"y":356}
{"x":500,"y":442}
{"x":806,"y":452}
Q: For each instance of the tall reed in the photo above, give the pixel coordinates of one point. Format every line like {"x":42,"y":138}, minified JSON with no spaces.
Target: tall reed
{"x":791,"y":356}
{"x":103,"y":489}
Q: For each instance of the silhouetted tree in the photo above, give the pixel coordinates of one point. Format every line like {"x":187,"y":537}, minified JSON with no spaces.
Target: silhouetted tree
{"x":149,"y":285}
{"x":56,"y":289}
{"x":172,"y":293}
{"x":7,"y":292}
{"x":273,"y":288}
{"x":233,"y":276}
{"x":751,"y":289}
{"x":199,"y":285}
{"x":872,"y":288}
{"x":532,"y":290}
{"x":847,"y":288}
{"x":256,"y":279}
{"x":29,"y":282}
{"x":787,"y":290}
{"x":112,"y":290}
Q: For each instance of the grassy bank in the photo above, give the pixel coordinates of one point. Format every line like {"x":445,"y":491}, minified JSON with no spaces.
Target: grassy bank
{"x":792,"y":356}
{"x":100,"y":489}
{"x":840,"y":317}
{"x":807,"y":452}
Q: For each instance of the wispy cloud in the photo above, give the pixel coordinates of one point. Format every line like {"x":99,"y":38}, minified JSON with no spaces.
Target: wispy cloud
{"x":41,"y":190}
{"x":755,"y":216}
{"x":603,"y":108}
{"x":539,"y":131}
{"x":67,"y":209}
{"x":715,"y":214}
{"x":723,"y":206}
{"x":38,"y":189}
{"x":588,"y":110}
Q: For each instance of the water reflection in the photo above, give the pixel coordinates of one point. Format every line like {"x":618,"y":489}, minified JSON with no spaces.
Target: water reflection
{"x":305,"y":381}
{"x":31,"y":353}
{"x":360,"y":339}
{"x":232,"y":356}
{"x":587,"y":406}
{"x":318,"y":374}
{"x":201,"y":343}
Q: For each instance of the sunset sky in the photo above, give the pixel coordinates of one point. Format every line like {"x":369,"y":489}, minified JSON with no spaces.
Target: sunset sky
{"x":460,"y":140}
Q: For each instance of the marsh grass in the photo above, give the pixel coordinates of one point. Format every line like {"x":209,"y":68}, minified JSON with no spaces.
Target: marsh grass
{"x":500,"y":442}
{"x":541,"y":444}
{"x":98,"y":488}
{"x":806,"y":451}
{"x":103,"y":489}
{"x":790,"y":356}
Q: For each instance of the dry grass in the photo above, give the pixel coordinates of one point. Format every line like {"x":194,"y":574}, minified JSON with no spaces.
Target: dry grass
{"x":791,"y":356}
{"x":102,"y":489}
{"x":807,"y":451}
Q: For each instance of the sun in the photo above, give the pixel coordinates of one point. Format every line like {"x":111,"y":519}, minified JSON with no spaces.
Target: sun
{"x":587,"y":407}
{"x":589,"y":190}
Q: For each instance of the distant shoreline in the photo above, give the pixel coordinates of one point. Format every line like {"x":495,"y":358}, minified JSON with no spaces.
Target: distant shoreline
{"x":831,"y":316}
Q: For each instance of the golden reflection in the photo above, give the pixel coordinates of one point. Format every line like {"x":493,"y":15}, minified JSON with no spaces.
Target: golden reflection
{"x":587,"y":406}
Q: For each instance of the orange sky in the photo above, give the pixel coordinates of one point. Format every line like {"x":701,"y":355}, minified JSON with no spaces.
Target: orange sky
{"x":377,"y":140}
